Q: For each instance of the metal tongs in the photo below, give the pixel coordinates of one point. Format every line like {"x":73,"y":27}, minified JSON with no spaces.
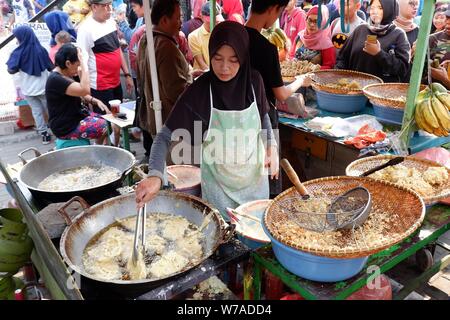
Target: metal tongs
{"x":139,"y":234}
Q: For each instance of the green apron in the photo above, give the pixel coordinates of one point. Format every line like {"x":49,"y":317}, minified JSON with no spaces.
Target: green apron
{"x":232,"y":165}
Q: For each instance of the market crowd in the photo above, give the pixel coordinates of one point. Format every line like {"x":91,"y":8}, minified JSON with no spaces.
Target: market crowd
{"x":204,"y":74}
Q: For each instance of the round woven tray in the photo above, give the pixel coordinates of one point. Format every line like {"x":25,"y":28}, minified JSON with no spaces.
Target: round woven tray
{"x":404,"y":207}
{"x":326,"y":80}
{"x":388,"y":94}
{"x":357,"y":167}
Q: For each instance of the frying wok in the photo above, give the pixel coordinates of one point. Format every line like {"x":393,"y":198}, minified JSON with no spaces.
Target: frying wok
{"x":94,"y":219}
{"x":44,"y":165}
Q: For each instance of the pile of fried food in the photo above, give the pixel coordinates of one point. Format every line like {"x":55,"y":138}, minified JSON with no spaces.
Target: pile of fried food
{"x":424,"y":183}
{"x":172,"y":243}
{"x":345,"y":83}
{"x":379,"y":224}
{"x":292,"y":68}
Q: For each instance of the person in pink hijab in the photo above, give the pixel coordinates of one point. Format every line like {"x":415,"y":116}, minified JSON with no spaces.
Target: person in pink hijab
{"x":314,"y":43}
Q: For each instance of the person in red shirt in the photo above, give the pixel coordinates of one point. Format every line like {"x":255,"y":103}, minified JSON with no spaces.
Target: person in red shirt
{"x":294,"y":21}
{"x":233,"y":10}
{"x":314,"y":43}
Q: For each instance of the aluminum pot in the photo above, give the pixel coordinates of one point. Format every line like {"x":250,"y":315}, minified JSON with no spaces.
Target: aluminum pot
{"x":94,"y":219}
{"x":44,"y":165}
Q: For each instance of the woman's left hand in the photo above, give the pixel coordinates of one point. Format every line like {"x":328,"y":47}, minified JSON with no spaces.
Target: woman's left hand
{"x":372,"y":48}
{"x":272,"y":161}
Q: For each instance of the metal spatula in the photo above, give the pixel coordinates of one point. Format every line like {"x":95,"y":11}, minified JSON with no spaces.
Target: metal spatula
{"x":139,"y":234}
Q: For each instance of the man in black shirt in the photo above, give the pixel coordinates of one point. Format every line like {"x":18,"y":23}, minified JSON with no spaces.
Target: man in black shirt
{"x":264,"y":59}
{"x":264,"y":55}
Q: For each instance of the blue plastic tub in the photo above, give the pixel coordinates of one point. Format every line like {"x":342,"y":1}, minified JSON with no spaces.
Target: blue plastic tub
{"x":315,"y":268}
{"x":341,"y":103}
{"x":388,"y":115}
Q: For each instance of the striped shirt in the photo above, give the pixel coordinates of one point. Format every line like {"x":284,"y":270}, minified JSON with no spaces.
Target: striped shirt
{"x":101,"y":49}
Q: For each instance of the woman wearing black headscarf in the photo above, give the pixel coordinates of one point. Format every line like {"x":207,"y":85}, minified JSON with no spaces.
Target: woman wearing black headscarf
{"x":229,"y":104}
{"x":379,"y":48}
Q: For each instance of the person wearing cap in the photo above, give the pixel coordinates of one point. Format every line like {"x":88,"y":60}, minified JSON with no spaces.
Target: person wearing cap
{"x":439,"y":44}
{"x":99,"y":42}
{"x":198,"y":39}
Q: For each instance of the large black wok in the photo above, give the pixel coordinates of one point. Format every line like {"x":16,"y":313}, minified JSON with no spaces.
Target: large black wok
{"x":44,"y":165}
{"x":94,"y":219}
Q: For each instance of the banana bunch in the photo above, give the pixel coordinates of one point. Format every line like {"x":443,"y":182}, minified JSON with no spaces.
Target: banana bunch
{"x":276,"y":36}
{"x":432,"y":110}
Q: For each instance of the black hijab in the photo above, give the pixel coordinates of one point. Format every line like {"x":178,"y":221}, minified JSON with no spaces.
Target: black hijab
{"x":390,"y":13}
{"x":237,"y":92}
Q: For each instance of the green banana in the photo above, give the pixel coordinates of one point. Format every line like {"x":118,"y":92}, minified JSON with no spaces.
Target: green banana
{"x":444,"y":98}
{"x":441,"y":113}
{"x":437,"y":87}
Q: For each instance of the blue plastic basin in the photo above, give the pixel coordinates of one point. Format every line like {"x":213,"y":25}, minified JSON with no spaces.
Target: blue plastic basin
{"x":388,"y":115}
{"x":341,"y":103}
{"x":315,"y":268}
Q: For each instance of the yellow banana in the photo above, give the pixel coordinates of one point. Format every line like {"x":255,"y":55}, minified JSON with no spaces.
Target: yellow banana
{"x":445,"y":99}
{"x":418,"y":116}
{"x":441,"y":113}
{"x":429,"y":116}
{"x":278,"y":40}
{"x":281,"y":33}
{"x":423,"y":94}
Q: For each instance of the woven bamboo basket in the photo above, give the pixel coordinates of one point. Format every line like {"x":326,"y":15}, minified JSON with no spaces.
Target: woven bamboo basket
{"x":326,"y":80}
{"x":357,"y":167}
{"x":388,"y":95}
{"x":402,"y":208}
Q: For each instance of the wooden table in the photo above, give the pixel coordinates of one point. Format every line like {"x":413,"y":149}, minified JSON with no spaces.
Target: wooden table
{"x":123,"y":124}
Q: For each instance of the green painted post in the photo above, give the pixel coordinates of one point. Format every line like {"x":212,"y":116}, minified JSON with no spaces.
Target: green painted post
{"x":212,"y":14}
{"x":420,"y":58}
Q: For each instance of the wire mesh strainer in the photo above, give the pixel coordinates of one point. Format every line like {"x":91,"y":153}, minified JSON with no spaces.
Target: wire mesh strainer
{"x":322,"y":213}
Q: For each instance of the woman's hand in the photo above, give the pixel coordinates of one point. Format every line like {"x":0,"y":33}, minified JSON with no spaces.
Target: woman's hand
{"x":372,"y":48}
{"x":101,"y":105}
{"x":305,"y":79}
{"x":272,"y":161}
{"x":146,"y":190}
